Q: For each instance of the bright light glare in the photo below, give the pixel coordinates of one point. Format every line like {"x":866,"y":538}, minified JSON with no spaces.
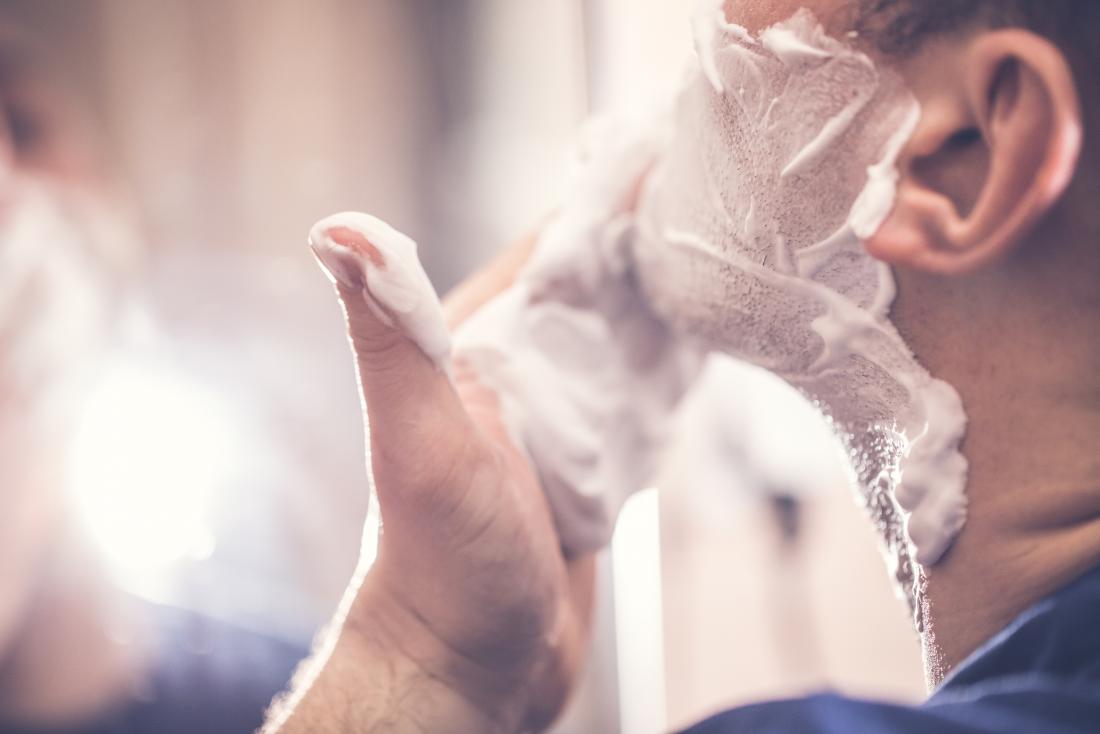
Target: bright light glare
{"x":152,"y":449}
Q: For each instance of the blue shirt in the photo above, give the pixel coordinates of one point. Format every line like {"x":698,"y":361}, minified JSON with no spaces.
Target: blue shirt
{"x":208,"y":677}
{"x":1041,"y":675}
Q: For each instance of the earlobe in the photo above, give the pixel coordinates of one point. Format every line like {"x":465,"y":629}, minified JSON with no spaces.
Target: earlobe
{"x":1011,"y":131}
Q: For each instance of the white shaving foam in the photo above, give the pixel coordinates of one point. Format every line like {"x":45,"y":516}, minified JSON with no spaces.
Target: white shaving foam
{"x":51,"y":313}
{"x":586,"y":375}
{"x":395,"y":286}
{"x":780,"y":157}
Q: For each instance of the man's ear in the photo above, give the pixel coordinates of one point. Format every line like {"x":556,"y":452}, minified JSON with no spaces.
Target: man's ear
{"x":998,"y":143}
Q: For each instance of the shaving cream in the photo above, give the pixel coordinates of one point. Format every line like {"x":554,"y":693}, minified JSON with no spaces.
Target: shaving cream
{"x":587,"y":376}
{"x":778,"y":158}
{"x":394,"y":284}
{"x":51,"y":310}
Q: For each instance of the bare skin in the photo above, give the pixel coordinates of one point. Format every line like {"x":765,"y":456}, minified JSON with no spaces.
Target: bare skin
{"x":1008,"y":317}
{"x":994,"y":245}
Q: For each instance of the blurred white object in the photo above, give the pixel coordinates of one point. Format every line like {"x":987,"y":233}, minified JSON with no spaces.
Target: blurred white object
{"x":639,"y":638}
{"x":738,"y":427}
{"x":152,"y":449}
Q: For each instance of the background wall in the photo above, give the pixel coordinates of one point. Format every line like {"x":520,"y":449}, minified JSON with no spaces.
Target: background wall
{"x":235,"y":125}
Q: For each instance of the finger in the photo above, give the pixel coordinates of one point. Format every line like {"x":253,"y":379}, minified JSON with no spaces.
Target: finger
{"x":401,"y":347}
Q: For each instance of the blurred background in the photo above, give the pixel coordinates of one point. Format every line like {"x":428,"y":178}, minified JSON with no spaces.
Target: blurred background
{"x":217,"y":460}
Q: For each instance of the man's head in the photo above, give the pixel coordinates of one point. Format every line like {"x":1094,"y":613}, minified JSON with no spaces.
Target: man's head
{"x":1005,"y":87}
{"x":54,"y":223}
{"x":990,"y":239}
{"x":995,"y":246}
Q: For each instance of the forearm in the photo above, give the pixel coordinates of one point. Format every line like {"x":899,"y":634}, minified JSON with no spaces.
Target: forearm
{"x":383,"y":674}
{"x":359,"y":691}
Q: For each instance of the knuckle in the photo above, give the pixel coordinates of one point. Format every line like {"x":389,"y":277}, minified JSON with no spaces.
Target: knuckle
{"x":377,"y":349}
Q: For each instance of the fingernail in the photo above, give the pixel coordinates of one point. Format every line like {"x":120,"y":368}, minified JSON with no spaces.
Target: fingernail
{"x":340,"y":263}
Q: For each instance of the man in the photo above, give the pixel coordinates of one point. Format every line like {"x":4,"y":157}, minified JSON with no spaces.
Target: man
{"x":472,"y":620}
{"x":77,"y":656}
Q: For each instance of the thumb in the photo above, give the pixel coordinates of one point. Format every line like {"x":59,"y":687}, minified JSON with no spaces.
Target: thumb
{"x":401,"y":346}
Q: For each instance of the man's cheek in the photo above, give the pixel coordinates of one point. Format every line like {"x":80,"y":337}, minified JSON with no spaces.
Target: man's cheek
{"x":756,"y":15}
{"x":781,"y":158}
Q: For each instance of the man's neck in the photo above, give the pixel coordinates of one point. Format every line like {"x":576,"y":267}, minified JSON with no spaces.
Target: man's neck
{"x":1034,"y":526}
{"x":1027,"y":374}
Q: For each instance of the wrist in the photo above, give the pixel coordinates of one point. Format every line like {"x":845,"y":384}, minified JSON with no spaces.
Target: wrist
{"x":425,"y":680}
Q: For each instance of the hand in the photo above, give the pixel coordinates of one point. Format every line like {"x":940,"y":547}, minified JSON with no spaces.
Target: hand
{"x":470,"y":612}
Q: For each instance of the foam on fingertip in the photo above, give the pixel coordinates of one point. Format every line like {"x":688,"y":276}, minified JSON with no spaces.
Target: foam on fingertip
{"x":362,"y":252}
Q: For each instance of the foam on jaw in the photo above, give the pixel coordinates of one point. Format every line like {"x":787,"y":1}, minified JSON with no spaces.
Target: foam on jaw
{"x":45,"y":264}
{"x":780,"y":158}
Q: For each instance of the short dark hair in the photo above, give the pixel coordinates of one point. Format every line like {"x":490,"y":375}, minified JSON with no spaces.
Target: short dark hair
{"x":901,"y":26}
